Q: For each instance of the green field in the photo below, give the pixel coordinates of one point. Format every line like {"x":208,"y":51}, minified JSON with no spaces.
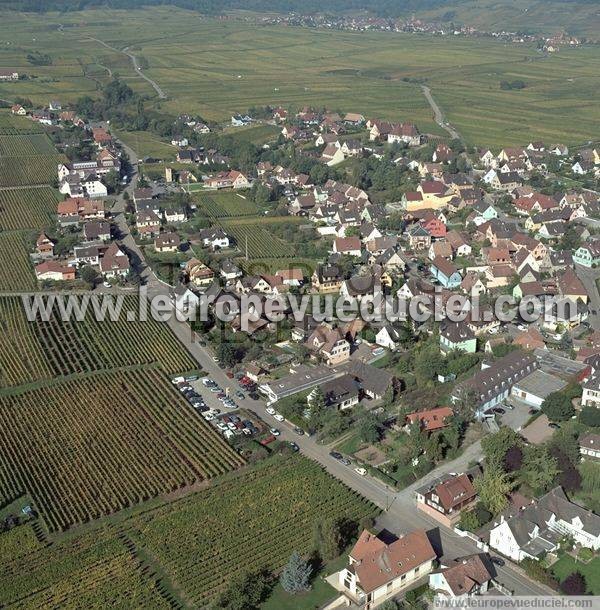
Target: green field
{"x":257,"y":241}
{"x":216,"y":68}
{"x":196,"y":545}
{"x":255,"y":134}
{"x":225,"y":204}
{"x":33,"y":208}
{"x":591,"y":571}
{"x":35,"y":351}
{"x":16,"y":270}
{"x":146,"y":144}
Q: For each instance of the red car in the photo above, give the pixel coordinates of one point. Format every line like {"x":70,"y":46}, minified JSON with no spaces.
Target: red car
{"x":267,"y":440}
{"x":229,"y":374}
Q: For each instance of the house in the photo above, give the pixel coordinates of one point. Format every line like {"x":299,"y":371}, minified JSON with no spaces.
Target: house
{"x":374,"y":382}
{"x":167,"y":242}
{"x":229,"y":271}
{"x":351,"y":246}
{"x":379,"y":569}
{"x":588,"y":255}
{"x":185,"y":300}
{"x":493,"y":383}
{"x":538,"y":528}
{"x":419,"y":238}
{"x":388,"y":337}
{"x":329,"y":344}
{"x":505,"y":182}
{"x":431,"y":419}
{"x":457,"y":336}
{"x":459,"y":242}
{"x":485,"y":211}
{"x":327,"y":279}
{"x":87,"y":254}
{"x":214,"y":238}
{"x":198,"y":273}
{"x":404,"y":132}
{"x":434,"y":226}
{"x":463,"y":577}
{"x":472,"y":284}
{"x":361,"y":286}
{"x":571,"y":287}
{"x":291,"y":277}
{"x":445,"y":272}
{"x":231,"y":179}
{"x":444,"y":499}
{"x":18,"y":110}
{"x":114,"y":263}
{"x":54,"y":271}
{"x":8,"y":75}
{"x":591,"y":393}
{"x":531,"y":339}
{"x":44,"y":246}
{"x":101,"y":137}
{"x":332,"y":155}
{"x":353,"y":118}
{"x":96,"y":230}
{"x":340,"y":393}
{"x":589,"y":446}
{"x":179,"y":141}
{"x":536,"y":387}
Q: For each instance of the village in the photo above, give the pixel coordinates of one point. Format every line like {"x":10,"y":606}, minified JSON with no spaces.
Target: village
{"x":489,"y":428}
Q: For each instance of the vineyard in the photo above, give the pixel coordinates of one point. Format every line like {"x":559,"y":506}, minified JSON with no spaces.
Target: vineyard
{"x":32,"y":351}
{"x":26,"y":145}
{"x":91,"y":571}
{"x":204,"y":541}
{"x":11,"y":125}
{"x":259,"y":241}
{"x":94,"y":445}
{"x":22,"y":171}
{"x":226,"y":204}
{"x":33,"y":208}
{"x":16,"y":272}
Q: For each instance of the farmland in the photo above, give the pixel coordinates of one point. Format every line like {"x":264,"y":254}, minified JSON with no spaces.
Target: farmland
{"x":255,"y":134}
{"x":146,"y":144}
{"x":244,"y":522}
{"x":33,"y":208}
{"x":12,"y":125}
{"x":225,"y":204}
{"x":18,"y":275}
{"x":258,"y":241}
{"x":94,"y":445}
{"x":33,"y":351}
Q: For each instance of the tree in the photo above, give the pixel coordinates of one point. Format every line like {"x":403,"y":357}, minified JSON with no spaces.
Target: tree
{"x":112,"y":180}
{"x":246,"y":592}
{"x":390,"y":604}
{"x":496,"y":446}
{"x":89,"y":275}
{"x":574,"y":584}
{"x":295,"y":577}
{"x":539,"y":470}
{"x":464,"y":405}
{"x":493,"y":487}
{"x":590,"y":416}
{"x":226,"y":354}
{"x":513,"y":459}
{"x":368,"y":428}
{"x":468,"y":521}
{"x":329,"y":539}
{"x":434,"y":447}
{"x":558,"y":407}
{"x":568,"y":477}
{"x":318,"y":409}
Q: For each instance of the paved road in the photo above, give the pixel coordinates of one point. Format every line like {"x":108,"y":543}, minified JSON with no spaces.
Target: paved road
{"x":399,"y":511}
{"x":136,"y":66}
{"x":439,"y":115}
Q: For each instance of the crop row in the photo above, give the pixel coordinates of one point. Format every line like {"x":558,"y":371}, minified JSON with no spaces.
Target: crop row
{"x":258,"y":242}
{"x":23,"y":171}
{"x":250,"y":522}
{"x":16,"y":271}
{"x":91,"y":446}
{"x":33,"y":208}
{"x":26,"y":145}
{"x":226,"y":205}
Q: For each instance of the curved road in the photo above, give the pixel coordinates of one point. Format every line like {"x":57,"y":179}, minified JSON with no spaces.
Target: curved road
{"x":136,"y":66}
{"x":439,"y":115}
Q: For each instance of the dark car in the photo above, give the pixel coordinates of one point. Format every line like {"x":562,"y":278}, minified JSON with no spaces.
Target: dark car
{"x":554,"y":425}
{"x":298,"y":431}
{"x":345,"y":461}
{"x":294,"y":447}
{"x":499,"y":410}
{"x":336,"y":455}
{"x":497,"y":561}
{"x":240,"y":395}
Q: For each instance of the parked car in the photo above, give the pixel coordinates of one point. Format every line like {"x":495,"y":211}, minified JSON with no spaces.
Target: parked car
{"x":206,"y":381}
{"x":361,"y":471}
{"x":222,"y":426}
{"x":497,"y":561}
{"x":267,"y":440}
{"x":270,"y":410}
{"x":240,"y":395}
{"x":336,"y":455}
{"x":298,"y":430}
{"x":274,"y":432}
{"x":554,"y":425}
{"x":294,"y":447}
{"x":499,"y":410}
{"x":279,"y":417}
{"x":192,"y":378}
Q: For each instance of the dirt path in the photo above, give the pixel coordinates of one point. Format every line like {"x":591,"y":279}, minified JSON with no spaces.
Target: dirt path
{"x":439,"y":115}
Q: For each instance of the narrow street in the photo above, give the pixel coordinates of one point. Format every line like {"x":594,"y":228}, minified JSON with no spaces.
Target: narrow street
{"x":439,"y":115}
{"x":399,"y":510}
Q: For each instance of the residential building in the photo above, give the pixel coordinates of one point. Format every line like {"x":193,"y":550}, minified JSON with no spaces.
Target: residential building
{"x":588,"y":254}
{"x":589,"y":446}
{"x":457,"y":336}
{"x":55,"y":271}
{"x":535,"y":388}
{"x":445,"y":272}
{"x":463,"y":577}
{"x":167,"y":242}
{"x":339,"y":393}
{"x":444,"y":499}
{"x":380,"y":569}
{"x":114,"y":263}
{"x":591,"y":392}
{"x":430,"y":420}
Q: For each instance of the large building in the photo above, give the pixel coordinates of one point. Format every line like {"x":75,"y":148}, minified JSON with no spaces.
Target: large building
{"x":491,"y":385}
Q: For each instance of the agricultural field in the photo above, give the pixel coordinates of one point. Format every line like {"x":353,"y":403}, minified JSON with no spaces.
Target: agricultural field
{"x":33,"y":208}
{"x":24,"y":171}
{"x":146,"y":144}
{"x":257,"y":241}
{"x":91,"y":446}
{"x":93,"y":571}
{"x":249,"y":522}
{"x":254,"y":134}
{"x":225,"y":204}
{"x":18,"y":274}
{"x":12,"y":125}
{"x":34,"y":351}
{"x":26,"y":145}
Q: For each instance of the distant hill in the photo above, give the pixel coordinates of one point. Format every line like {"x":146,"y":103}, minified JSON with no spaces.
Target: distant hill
{"x":576,"y":17}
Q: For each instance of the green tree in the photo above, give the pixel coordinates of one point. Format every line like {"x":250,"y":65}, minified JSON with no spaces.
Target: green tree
{"x":540,"y":469}
{"x":89,"y":275}
{"x":226,"y":354}
{"x":558,"y":407}
{"x":329,"y":539}
{"x":318,"y":409}
{"x":295,"y":577}
{"x":247,"y":592}
{"x":495,"y":446}
{"x":434,"y":447}
{"x":590,"y":416}
{"x":493,"y":487}
{"x":369,"y":428}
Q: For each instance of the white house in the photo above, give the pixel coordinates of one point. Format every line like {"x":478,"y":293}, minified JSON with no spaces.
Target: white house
{"x":388,"y":337}
{"x":540,"y":526}
{"x":185,"y":300}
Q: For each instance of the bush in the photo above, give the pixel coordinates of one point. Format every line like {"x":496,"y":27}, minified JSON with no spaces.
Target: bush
{"x":536,"y":570}
{"x":585,"y":554}
{"x":574,"y":584}
{"x":590,"y":416}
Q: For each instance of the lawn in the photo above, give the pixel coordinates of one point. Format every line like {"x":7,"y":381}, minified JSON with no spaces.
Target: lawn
{"x":255,"y":134}
{"x":146,"y":144}
{"x":591,"y":571}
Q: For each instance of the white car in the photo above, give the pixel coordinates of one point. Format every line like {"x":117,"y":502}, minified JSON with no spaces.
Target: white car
{"x":270,"y":410}
{"x":274,"y":432}
{"x":107,"y":284}
{"x":222,"y":426}
{"x":177,"y":380}
{"x":279,"y":417}
{"x":361,"y":471}
{"x":208,"y":416}
{"x":206,"y":381}
{"x":521,"y":327}
{"x":228,"y":433}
